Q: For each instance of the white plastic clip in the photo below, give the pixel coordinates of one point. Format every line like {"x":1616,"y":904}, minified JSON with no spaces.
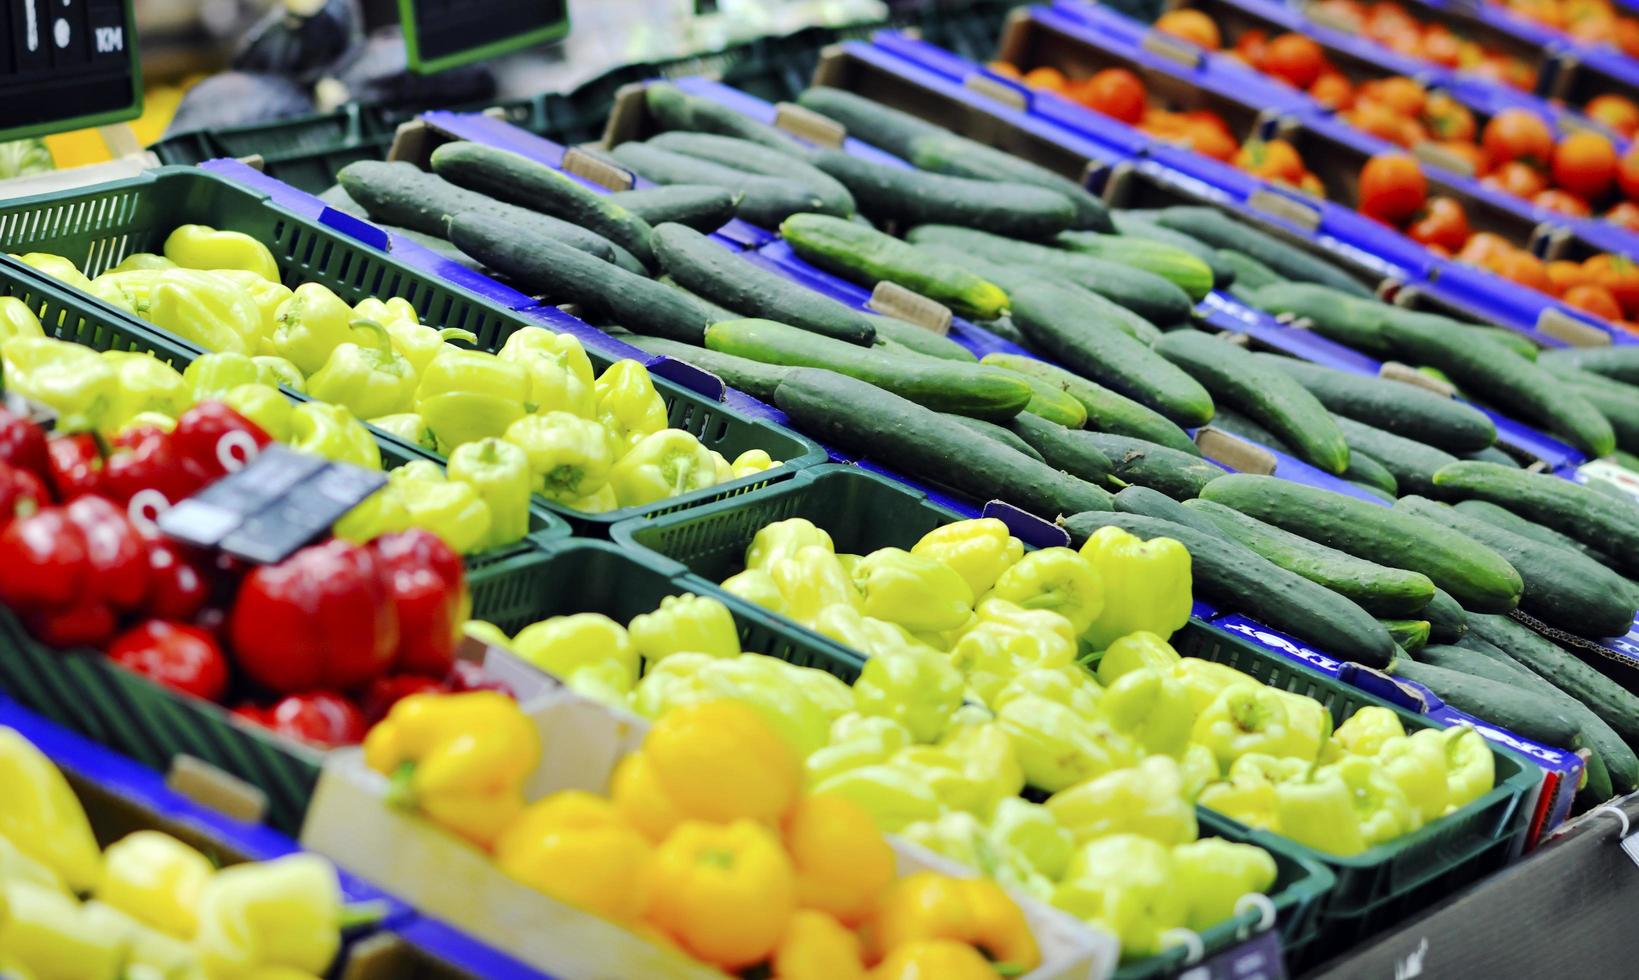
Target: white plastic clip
{"x":1194,"y":949}
{"x":235,"y":450}
{"x":1618,"y":811}
{"x":144,"y":509}
{"x":1266,"y":913}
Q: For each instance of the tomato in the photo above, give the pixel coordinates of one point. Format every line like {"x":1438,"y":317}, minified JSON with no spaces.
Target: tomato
{"x":1624,"y":215}
{"x":1618,"y":112}
{"x":1388,"y":21}
{"x":1585,"y":164}
{"x":1310,"y":184}
{"x":1441,"y":46}
{"x":1251,"y":45}
{"x":1516,"y":178}
{"x":1046,"y":77}
{"x":1294,"y":59}
{"x":1193,"y":26}
{"x":1471,"y":153}
{"x":1392,"y":187}
{"x":1117,"y":93}
{"x":1271,"y":159}
{"x":1627,"y":173}
{"x":1444,"y":224}
{"x":1518,"y":134}
{"x":1594,"y":299}
{"x":1448,"y":119}
{"x":1378,"y":120}
{"x":1402,"y":95}
{"x":1620,"y":275}
{"x":1332,"y":89}
{"x":1564,"y":202}
{"x":1522,"y":267}
{"x":1482,"y":246}
{"x":1627,"y":36}
{"x":1209,"y":140}
{"x":1005,"y":69}
{"x":1565,"y":275}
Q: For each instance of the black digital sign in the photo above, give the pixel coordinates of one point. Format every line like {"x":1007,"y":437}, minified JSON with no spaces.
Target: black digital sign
{"x":67,"y":64}
{"x":441,"y":34}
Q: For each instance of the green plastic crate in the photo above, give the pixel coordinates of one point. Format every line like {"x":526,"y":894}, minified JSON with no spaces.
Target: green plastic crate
{"x":862,"y":512}
{"x":305,"y":152}
{"x":96,"y":227}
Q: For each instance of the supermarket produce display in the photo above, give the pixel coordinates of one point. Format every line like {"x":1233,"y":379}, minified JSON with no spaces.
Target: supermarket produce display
{"x":1062,"y":497}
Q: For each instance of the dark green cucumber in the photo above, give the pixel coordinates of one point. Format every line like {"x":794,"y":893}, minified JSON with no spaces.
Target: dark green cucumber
{"x":1250,"y":274}
{"x":1350,"y":320}
{"x":543,"y":265}
{"x":1006,"y":329}
{"x":757,"y":159}
{"x":1498,"y":376}
{"x":403,"y":194}
{"x":1271,"y":398}
{"x":516,"y":179}
{"x":1509,"y":706}
{"x":1236,"y":578}
{"x":1480,"y":659}
{"x":1065,"y":449}
{"x":1363,"y":471}
{"x":1218,"y":229}
{"x":1133,"y":226}
{"x":1377,"y":492}
{"x":1412,"y":463}
{"x":718,"y":313}
{"x":919,"y":339}
{"x":1491,"y":454}
{"x":1509,"y":521}
{"x":1566,"y":591}
{"x":1107,"y":411}
{"x":1601,"y":522}
{"x":991,"y":430}
{"x":761,"y":200}
{"x":705,"y":267}
{"x":864,"y":119}
{"x":700,"y":206}
{"x":1378,"y":589}
{"x":1173,"y":264}
{"x":944,"y":386}
{"x":752,"y":377}
{"x":1178,"y":475}
{"x":867,"y":256}
{"x":1617,"y":363}
{"x":1050,"y":402}
{"x":1618,"y":402}
{"x":1476,"y":576}
{"x":674,"y":108}
{"x":887,"y":192}
{"x":1447,"y":620}
{"x":1147,"y":294}
{"x":1393,"y":406}
{"x":1410,"y":635}
{"x":1516,"y":342}
{"x":1106,"y":355}
{"x":1154,"y":503}
{"x":859,"y":418}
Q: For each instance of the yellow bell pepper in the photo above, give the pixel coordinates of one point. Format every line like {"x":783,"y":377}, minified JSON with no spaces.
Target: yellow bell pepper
{"x":467,"y":395}
{"x":265,"y":405}
{"x":920,"y":594}
{"x":783,"y":539}
{"x":724,"y":892}
{"x":979,"y":550}
{"x":40,"y":814}
{"x":386,"y":311}
{"x":1146,"y":585}
{"x":1135,"y":651}
{"x":17,"y":320}
{"x":331,"y":431}
{"x":203,"y":247}
{"x":817,"y":947}
{"x":560,"y":373}
{"x":499,"y":472}
{"x":206,"y":309}
{"x":265,"y":295}
{"x":365,"y":374}
{"x":17,"y":866}
{"x":661,"y":465}
{"x":280,"y":914}
{"x":976,"y":911}
{"x":685,"y":624}
{"x":579,"y":849}
{"x":309,"y":325}
{"x":567,"y":454}
{"x":143,"y":383}
{"x":752,"y":461}
{"x":157,"y":880}
{"x":1056,"y":579}
{"x":148,"y":951}
{"x":627,"y":405}
{"x":1007,"y":640}
{"x":56,"y":267}
{"x":142,"y":261}
{"x":591,"y":653}
{"x":811,"y":580}
{"x":758,"y":588}
{"x":72,"y":380}
{"x":49,"y":934}
{"x":921,"y":959}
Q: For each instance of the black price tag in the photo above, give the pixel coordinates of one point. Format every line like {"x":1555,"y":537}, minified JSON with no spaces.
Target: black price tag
{"x":280,"y":502}
{"x":440,"y":34}
{"x":67,"y":64}
{"x":1257,"y":958}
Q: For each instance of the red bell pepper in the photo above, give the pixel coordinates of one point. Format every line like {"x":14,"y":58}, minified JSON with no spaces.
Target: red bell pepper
{"x":199,"y":431}
{"x":21,"y":492}
{"x":174,"y":654}
{"x":467,"y":676}
{"x":85,"y":624}
{"x":44,"y":561}
{"x":176,"y":589}
{"x":22,"y":443}
{"x":320,"y":719}
{"x":115,"y":551}
{"x":322,"y":619}
{"x":384,"y":692}
{"x":74,"y":464}
{"x":429,"y":589}
{"x":145,"y":458}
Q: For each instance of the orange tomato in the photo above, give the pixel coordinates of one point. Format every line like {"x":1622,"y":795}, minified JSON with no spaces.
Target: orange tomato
{"x":1615,"y":111}
{"x":1473,"y":153}
{"x":1271,"y":159}
{"x":1193,"y":26}
{"x":1627,"y":36}
{"x":1522,"y":267}
{"x":1332,"y":89}
{"x":1117,"y":93}
{"x":1448,"y":119}
{"x":1006,"y":69}
{"x":1482,"y":246}
{"x":1443,"y":224}
{"x":1620,"y":275}
{"x":1378,"y":120}
{"x":1209,"y":140}
{"x":1627,"y":173}
{"x":1046,"y":77}
{"x":1310,"y":184}
{"x":1585,"y":164}
{"x":1294,"y":59}
{"x":1516,"y":178}
{"x":1561,"y":201}
{"x":1518,"y":134}
{"x":1403,"y":95}
{"x":1594,"y":299}
{"x":1441,"y":46}
{"x":1251,"y":45}
{"x":1564,"y":275}
{"x":1392,"y":187}
{"x":1624,"y":215}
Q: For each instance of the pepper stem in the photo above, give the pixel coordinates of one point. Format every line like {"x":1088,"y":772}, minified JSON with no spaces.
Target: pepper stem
{"x":400,"y":792}
{"x":355,"y":915}
{"x":380,"y":339}
{"x":456,"y":333}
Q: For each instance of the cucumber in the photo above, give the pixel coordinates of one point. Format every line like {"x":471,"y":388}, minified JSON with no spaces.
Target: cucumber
{"x":1234,"y":577}
{"x":860,"y":418}
{"x":1132,"y":226}
{"x":991,"y":430}
{"x":1508,"y":520}
{"x":1350,"y":320}
{"x":1104,"y":354}
{"x":1173,"y":264}
{"x":717,"y":312}
{"x":1518,"y":343}
{"x":705,"y":267}
{"x":752,"y":377}
{"x":1617,"y":363}
{"x":403,"y":194}
{"x":1447,"y":621}
{"x":1218,"y":229}
{"x":1154,"y":503}
{"x":544,"y":265}
{"x":1376,"y":492}
{"x":1499,"y":377}
{"x":1378,"y":589}
{"x":1393,"y":406}
{"x":1006,"y":329}
{"x":673,"y":108}
{"x":1064,"y":449}
{"x":1480,"y":659}
{"x":1564,"y":590}
{"x":1410,"y":635}
{"x":944,"y":386}
{"x":886,"y":192}
{"x":700,"y":206}
{"x":883,"y":127}
{"x":1412,"y":463}
{"x":757,"y":159}
{"x":1509,"y":706}
{"x":1604,"y":523}
{"x":516,"y":179}
{"x":764,"y":201}
{"x":1271,"y":398}
{"x":1107,"y":411}
{"x":918,"y":339}
{"x":867,"y":256}
{"x":1618,"y":402}
{"x":1367,"y":472}
{"x":1178,"y":475}
{"x":1476,"y":576}
{"x":1363,"y":471}
{"x":1250,"y":274}
{"x":1491,"y":454}
{"x":1050,"y":402}
{"x":1147,"y":294}
{"x":1613,"y":704}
